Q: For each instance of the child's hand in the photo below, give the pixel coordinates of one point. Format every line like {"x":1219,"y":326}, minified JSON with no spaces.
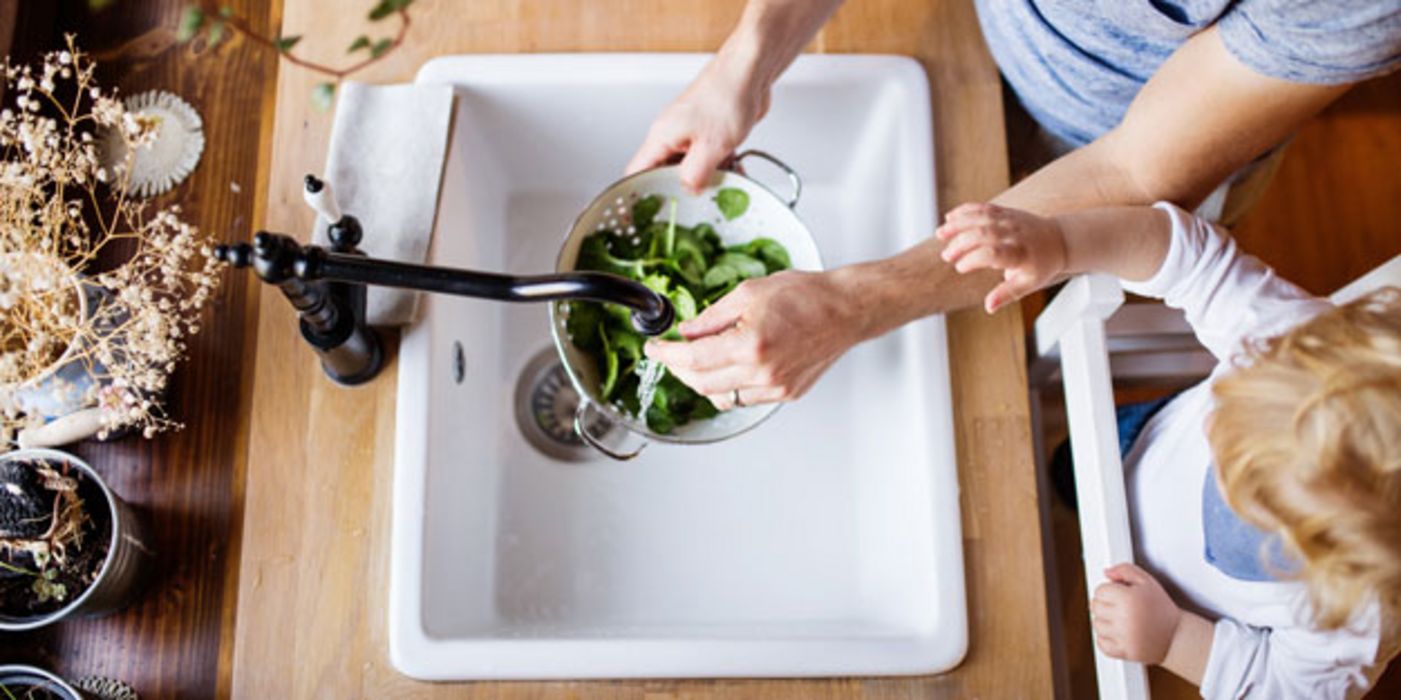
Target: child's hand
{"x":1133,"y":617}
{"x":1029,"y":250}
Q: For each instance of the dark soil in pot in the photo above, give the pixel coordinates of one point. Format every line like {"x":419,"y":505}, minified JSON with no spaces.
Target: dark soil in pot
{"x":55,"y":530}
{"x":21,"y":684}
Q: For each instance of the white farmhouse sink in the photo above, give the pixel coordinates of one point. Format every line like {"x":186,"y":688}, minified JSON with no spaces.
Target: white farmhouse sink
{"x":824,"y":543}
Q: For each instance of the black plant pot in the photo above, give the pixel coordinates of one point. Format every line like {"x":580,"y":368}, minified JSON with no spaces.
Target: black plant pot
{"x":118,"y":581}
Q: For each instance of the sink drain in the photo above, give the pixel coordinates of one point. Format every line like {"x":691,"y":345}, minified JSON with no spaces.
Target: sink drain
{"x":545,"y":405}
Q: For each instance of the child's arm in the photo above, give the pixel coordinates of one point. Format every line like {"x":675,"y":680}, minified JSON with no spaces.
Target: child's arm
{"x":1161,"y":252}
{"x":1034,"y":251}
{"x":1136,"y":620}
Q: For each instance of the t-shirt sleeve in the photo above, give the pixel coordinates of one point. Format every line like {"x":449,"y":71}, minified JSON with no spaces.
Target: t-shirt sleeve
{"x":1227,"y":296}
{"x":1288,"y":663}
{"x":1315,"y":41}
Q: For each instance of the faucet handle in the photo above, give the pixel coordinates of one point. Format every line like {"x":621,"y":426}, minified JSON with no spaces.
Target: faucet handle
{"x":317,"y":194}
{"x":237,"y":255}
{"x":343,"y":230}
{"x":274,"y":257}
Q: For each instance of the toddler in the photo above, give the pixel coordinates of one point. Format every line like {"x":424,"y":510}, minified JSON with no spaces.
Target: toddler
{"x":1265,"y":502}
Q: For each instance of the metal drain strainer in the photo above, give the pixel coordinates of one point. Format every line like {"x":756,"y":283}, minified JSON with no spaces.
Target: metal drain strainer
{"x":545,"y":406}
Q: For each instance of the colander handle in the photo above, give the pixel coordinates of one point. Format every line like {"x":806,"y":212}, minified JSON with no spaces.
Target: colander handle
{"x":581,"y":428}
{"x":792,"y":174}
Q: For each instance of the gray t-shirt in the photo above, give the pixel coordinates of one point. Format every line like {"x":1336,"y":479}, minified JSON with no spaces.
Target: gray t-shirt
{"x":1076,"y":64}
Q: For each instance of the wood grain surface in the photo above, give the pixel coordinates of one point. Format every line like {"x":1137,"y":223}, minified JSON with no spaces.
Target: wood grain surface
{"x":312,"y":589}
{"x":187,"y":484}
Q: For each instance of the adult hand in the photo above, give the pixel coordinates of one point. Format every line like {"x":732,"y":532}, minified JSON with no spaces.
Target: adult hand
{"x":770,"y":339}
{"x":1030,"y":250}
{"x":1133,"y":617}
{"x":706,"y":123}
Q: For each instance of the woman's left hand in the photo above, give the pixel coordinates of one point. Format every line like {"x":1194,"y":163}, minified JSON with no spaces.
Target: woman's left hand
{"x":1133,"y":617}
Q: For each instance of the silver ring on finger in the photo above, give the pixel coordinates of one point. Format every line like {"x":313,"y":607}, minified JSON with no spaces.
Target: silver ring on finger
{"x":734,"y":396}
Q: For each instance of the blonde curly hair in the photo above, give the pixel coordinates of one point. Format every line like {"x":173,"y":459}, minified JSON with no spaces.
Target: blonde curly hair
{"x":1306,"y":434}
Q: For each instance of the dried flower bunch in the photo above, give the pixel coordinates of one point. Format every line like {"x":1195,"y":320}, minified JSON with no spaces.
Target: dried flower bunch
{"x":87,"y":274}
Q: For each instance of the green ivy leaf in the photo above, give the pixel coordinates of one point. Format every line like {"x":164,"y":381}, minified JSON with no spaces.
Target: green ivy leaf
{"x":361,"y":42}
{"x":382,"y":10}
{"x":216,"y":32}
{"x":380,"y":47}
{"x":191,"y":21}
{"x":732,"y":202}
{"x":323,"y":96}
{"x":285,"y":43}
{"x":386,"y":8}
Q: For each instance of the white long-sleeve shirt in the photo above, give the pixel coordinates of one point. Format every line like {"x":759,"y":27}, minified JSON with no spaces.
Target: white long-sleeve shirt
{"x":1263,"y":646}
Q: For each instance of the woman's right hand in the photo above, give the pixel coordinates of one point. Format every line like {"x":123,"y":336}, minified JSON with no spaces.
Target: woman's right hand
{"x":707,"y":122}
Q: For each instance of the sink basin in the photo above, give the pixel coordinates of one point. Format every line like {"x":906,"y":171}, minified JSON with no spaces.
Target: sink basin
{"x":826,"y":542}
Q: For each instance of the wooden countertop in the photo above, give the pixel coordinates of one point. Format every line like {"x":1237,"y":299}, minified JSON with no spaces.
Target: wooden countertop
{"x":174,"y":640}
{"x":311,"y":613}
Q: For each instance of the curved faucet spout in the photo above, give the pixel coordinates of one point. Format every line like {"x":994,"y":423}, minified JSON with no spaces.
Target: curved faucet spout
{"x":276,"y":257}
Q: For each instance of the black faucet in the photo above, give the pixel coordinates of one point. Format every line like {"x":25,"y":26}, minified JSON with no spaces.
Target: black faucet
{"x":327,"y":287}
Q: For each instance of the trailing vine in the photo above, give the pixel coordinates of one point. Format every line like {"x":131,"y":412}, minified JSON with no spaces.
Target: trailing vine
{"x":215,"y":23}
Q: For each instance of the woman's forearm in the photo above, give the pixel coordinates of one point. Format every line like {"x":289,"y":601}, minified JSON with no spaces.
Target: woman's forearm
{"x":908,"y":286}
{"x":770,"y":34}
{"x":1127,"y":242}
{"x":1099,"y":176}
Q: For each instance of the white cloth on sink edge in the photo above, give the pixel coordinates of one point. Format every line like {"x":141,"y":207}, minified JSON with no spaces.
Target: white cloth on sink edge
{"x":385,"y":167}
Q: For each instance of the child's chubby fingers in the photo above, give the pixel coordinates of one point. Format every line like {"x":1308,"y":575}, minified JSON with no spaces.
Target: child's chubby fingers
{"x":991,"y":255}
{"x":1012,"y":288}
{"x":968,"y":241}
{"x":949,"y":230}
{"x":1105,"y":629}
{"x":1127,"y":573}
{"x":955,"y":225}
{"x":970,"y":211}
{"x":1111,"y":593}
{"x":1110,"y":645}
{"x":1102,"y":610}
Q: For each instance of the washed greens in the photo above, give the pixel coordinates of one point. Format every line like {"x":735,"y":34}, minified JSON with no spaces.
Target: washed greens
{"x":692,"y":267}
{"x":732,"y":202}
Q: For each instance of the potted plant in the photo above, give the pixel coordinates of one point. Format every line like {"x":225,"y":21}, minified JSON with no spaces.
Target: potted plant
{"x":68,"y":545}
{"x":29,"y":683}
{"x":98,"y":291}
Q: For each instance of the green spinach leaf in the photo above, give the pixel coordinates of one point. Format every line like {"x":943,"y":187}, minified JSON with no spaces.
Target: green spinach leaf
{"x":746,"y":266}
{"x":645,"y":210}
{"x":732,"y":202}
{"x":771,"y":252}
